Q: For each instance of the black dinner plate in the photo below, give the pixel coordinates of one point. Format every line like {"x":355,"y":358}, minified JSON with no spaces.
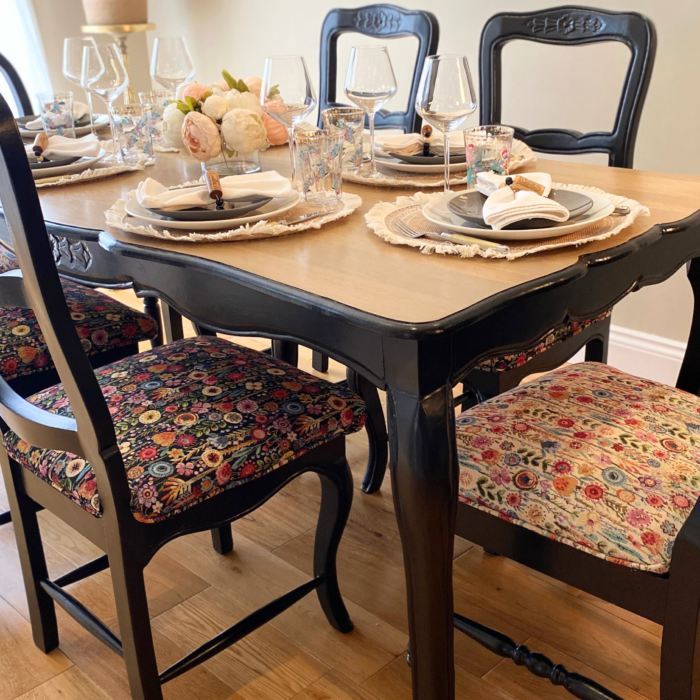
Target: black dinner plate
{"x":233,"y":209}
{"x":469,"y":206}
{"x":56,"y":163}
{"x":429,"y":160}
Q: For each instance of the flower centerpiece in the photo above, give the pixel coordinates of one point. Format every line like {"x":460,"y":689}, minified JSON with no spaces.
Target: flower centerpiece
{"x":222,"y":125}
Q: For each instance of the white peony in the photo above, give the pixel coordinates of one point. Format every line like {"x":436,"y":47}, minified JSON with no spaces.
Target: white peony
{"x":243,"y":131}
{"x":172,"y":126}
{"x":254,"y":84}
{"x":215,"y":107}
{"x":243,"y":100}
{"x":180,"y":95}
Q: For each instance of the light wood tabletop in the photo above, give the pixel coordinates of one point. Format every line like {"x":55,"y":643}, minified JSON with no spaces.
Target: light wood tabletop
{"x":346,"y":262}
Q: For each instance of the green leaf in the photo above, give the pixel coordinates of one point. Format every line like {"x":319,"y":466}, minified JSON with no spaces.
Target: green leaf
{"x":191,"y":102}
{"x":229,"y":79}
{"x":205,"y":95}
{"x":242,"y":87}
{"x":230,"y":153}
{"x":274,"y":91}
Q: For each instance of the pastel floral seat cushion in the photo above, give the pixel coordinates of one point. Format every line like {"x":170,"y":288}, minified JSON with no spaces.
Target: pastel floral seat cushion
{"x":590,"y":456}
{"x":101,"y":322}
{"x":505,"y":363}
{"x":193,"y":419}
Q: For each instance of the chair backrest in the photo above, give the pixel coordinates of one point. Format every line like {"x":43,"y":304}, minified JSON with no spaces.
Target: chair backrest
{"x":91,"y":433}
{"x":573,"y":26}
{"x":19,"y":92}
{"x":385,"y":21}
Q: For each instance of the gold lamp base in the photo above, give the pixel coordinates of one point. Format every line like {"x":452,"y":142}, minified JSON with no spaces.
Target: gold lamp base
{"x":120,"y":32}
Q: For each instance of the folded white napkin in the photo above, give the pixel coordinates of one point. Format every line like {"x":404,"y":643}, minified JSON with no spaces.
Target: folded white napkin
{"x":504,"y":206}
{"x":152,"y":195}
{"x":63,"y":147}
{"x":412,"y":144}
{"x":80,"y":109}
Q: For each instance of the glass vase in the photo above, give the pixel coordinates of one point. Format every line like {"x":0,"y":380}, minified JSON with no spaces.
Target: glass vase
{"x":236,"y":164}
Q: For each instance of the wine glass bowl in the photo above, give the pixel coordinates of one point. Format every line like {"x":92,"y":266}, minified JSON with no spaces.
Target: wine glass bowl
{"x":370,"y":83}
{"x":446,"y":97}
{"x":287,"y":95}
{"x":73,"y":66}
{"x":171,"y":63}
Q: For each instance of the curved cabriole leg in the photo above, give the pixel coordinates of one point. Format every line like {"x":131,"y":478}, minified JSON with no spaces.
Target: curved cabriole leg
{"x":42,"y":612}
{"x":134,"y":624}
{"x":538,"y":664}
{"x":336,"y":500}
{"x":376,"y":431}
{"x":424,"y":479}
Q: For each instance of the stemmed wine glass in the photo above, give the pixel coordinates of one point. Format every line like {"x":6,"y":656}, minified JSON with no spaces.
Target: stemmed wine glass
{"x":370,"y":84}
{"x":171,"y":63}
{"x":73,"y":66}
{"x":287,"y":95}
{"x":446,"y":97}
{"x":103,"y":74}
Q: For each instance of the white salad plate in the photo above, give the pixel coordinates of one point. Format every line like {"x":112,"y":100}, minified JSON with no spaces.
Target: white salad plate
{"x":271,"y":210}
{"x":437,"y":211}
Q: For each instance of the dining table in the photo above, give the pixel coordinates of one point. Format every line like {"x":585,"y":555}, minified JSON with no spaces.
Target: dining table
{"x":409,"y":323}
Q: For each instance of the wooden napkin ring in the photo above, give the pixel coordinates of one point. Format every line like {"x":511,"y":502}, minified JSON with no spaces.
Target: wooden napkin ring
{"x":214,"y":185}
{"x":520,"y":183}
{"x":41,"y":143}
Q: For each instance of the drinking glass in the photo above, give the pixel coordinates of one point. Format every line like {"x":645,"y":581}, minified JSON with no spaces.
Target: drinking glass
{"x":287,"y":95}
{"x":155,"y":101}
{"x":351,"y":123}
{"x":446,"y":97}
{"x":56,"y":110}
{"x":488,"y":150}
{"x":104,"y":75}
{"x":370,"y":84}
{"x":171,"y":63}
{"x":73,"y":66}
{"x":133,"y":130}
{"x":321,"y":161}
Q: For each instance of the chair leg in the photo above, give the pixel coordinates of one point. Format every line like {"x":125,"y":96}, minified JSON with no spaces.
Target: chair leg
{"x":319,"y":361}
{"x":376,"y":431}
{"x":336,"y":499}
{"x":597,"y":350}
{"x":222,"y":539}
{"x":286,"y":351}
{"x":152,"y":308}
{"x":135,"y":626}
{"x":5,"y":517}
{"x":42,"y":612}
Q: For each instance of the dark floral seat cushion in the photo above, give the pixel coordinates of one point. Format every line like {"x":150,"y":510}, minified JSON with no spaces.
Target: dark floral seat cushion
{"x":193,"y":419}
{"x":504,"y":363}
{"x":102,"y":324}
{"x":590,"y":456}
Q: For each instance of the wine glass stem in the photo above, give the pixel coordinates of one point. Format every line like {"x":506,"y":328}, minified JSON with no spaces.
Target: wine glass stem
{"x":372,"y":161}
{"x":88,"y":96}
{"x":290,"y":137}
{"x":116,"y":153}
{"x":447,"y":161}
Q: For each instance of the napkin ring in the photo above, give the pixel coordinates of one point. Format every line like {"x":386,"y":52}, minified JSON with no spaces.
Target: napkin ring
{"x":520,"y":183}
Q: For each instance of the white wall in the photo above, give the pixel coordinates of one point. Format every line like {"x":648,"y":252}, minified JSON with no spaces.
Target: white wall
{"x":543,"y":85}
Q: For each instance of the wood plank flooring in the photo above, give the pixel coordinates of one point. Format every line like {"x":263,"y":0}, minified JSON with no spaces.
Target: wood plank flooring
{"x":194,"y":593}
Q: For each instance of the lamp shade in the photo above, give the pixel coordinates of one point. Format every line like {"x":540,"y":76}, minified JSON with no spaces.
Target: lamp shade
{"x":116,"y":11}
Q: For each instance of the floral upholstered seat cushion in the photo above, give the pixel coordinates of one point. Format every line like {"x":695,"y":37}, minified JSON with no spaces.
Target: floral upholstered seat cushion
{"x":590,"y":456}
{"x":504,"y":363}
{"x":193,"y":419}
{"x":102,"y":324}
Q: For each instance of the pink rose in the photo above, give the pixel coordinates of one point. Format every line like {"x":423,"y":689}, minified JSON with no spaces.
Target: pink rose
{"x":275,"y":107}
{"x":201,"y":136}
{"x":276,"y":132}
{"x":196,"y":91}
{"x":224,"y":85}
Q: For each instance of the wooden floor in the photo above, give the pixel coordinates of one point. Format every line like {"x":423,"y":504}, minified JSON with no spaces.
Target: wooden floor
{"x":194,"y":593}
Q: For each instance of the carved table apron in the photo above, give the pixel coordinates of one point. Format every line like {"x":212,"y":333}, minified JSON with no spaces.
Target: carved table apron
{"x":417,"y":363}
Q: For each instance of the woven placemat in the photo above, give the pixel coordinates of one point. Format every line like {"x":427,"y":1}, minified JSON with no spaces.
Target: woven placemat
{"x":91,"y":174}
{"x":521,"y":155}
{"x":383,"y":217}
{"x":118,"y":217}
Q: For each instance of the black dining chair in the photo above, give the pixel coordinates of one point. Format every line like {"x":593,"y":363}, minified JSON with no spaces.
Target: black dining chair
{"x":184,"y":438}
{"x":20,"y":97}
{"x":386,"y":22}
{"x":590,"y":475}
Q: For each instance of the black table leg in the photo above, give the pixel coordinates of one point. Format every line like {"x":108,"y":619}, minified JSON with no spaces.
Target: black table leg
{"x":424,"y":477}
{"x":172,"y":324}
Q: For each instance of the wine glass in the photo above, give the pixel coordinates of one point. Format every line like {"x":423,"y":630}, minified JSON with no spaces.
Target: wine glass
{"x":446,"y":97}
{"x":171,"y":63}
{"x":370,"y":84}
{"x":103,"y":74}
{"x":73,"y":66}
{"x":287,"y":95}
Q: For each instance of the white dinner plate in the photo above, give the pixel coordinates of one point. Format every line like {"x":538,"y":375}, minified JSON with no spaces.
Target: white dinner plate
{"x":101,"y":120}
{"x":436,"y":210}
{"x":269,"y":211}
{"x":396,"y":164}
{"x":77,"y":167}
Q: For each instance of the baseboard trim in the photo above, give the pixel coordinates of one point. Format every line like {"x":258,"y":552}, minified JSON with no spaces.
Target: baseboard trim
{"x":643,"y":354}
